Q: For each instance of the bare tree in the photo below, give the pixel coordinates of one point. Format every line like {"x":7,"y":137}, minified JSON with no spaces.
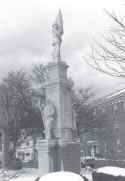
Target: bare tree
{"x":83,"y":111}
{"x":109,"y":57}
{"x":39,"y":74}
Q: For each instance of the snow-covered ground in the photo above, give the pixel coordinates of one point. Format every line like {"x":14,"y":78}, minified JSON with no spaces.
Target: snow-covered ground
{"x":25,"y":178}
{"x":61,"y":176}
{"x":20,"y":175}
{"x":115,"y":171}
{"x":30,"y":175}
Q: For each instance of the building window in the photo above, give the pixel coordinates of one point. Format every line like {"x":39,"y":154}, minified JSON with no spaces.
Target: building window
{"x":115,"y":107}
{"x":124,"y":105}
{"x":27,"y":144}
{"x":119,"y":107}
{"x":118,"y":144}
{"x":94,"y":112}
{"x":95,"y":150}
{"x":21,"y":155}
{"x":106,"y":147}
{"x":103,"y":110}
{"x":27,"y":154}
{"x":116,"y":126}
{"x":0,"y":141}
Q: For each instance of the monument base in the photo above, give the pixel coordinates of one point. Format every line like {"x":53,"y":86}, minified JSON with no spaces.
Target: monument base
{"x":70,"y":155}
{"x":48,"y":156}
{"x":54,"y":155}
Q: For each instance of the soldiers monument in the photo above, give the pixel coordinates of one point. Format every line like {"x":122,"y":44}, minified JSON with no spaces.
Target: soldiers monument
{"x":60,"y":150}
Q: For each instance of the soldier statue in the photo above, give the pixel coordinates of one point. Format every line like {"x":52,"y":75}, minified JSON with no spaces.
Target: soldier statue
{"x":57,"y":32}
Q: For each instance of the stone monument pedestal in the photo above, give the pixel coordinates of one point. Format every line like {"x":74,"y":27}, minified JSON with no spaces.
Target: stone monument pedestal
{"x":48,"y":156}
{"x":54,"y":155}
{"x":70,"y":155}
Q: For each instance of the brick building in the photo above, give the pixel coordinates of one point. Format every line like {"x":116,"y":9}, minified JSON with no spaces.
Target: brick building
{"x":109,"y":140}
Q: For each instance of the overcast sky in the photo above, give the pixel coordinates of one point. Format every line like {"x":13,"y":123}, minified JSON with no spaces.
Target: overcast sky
{"x":25,"y":36}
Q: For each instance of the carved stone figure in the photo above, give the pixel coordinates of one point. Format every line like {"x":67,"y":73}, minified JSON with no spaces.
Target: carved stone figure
{"x":57,"y":32}
{"x":41,"y":104}
{"x":49,"y":116}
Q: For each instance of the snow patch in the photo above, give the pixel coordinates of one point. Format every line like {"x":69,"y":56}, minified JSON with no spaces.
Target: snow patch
{"x":25,"y":178}
{"x":61,"y":176}
{"x":115,"y":171}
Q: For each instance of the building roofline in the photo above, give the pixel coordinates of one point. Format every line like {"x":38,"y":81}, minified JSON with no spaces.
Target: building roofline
{"x":108,"y":97}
